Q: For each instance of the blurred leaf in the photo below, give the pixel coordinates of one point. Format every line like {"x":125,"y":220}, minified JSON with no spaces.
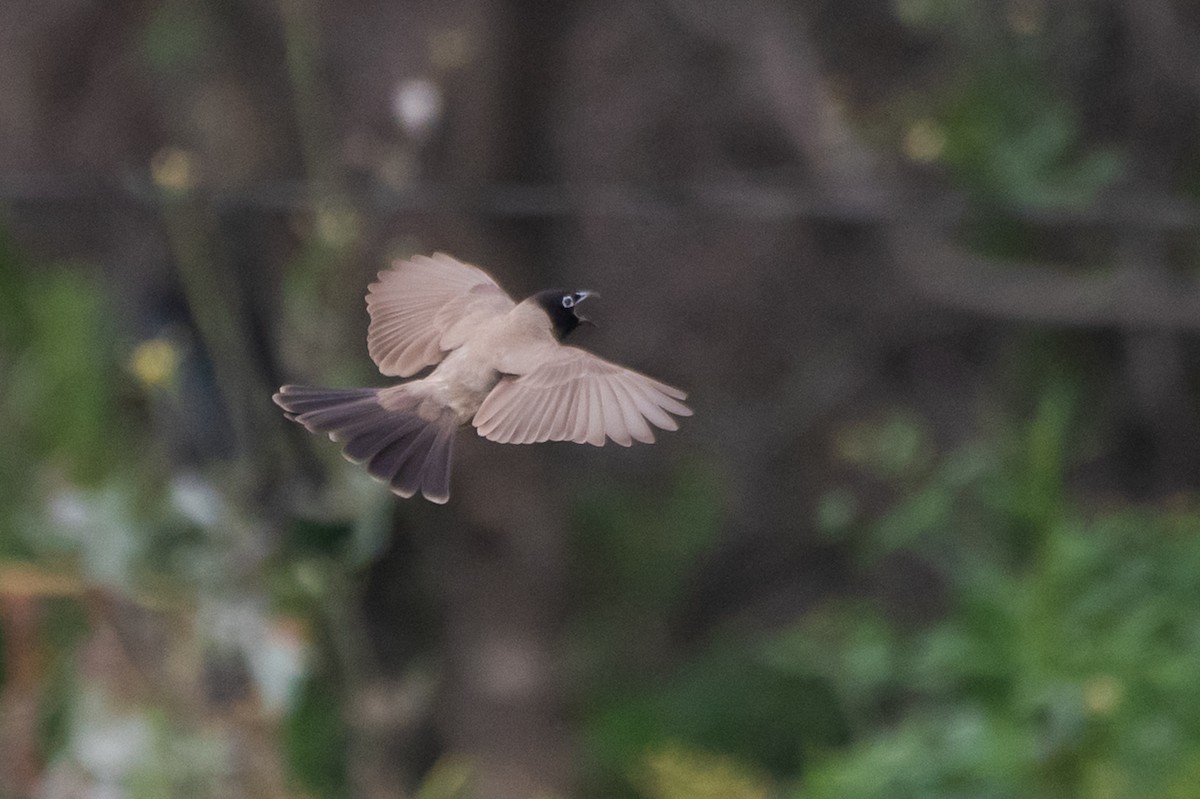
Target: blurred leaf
{"x":894,"y":447}
{"x":14,"y":316}
{"x":962,"y":752}
{"x":1182,"y":783}
{"x":450,"y":778}
{"x":60,"y":391}
{"x":847,"y":646}
{"x":175,"y":37}
{"x":1009,"y":138}
{"x":1053,"y":670}
{"x":926,"y":511}
{"x":837,"y":511}
{"x":729,"y":701}
{"x":648,"y":543}
{"x":677,"y":773}
{"x":310,"y":537}
{"x":314,"y":740}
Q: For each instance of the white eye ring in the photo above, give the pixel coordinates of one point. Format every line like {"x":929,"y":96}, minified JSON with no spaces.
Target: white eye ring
{"x":568,"y":301}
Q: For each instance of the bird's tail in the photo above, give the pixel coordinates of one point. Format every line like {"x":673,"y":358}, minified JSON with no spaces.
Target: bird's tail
{"x":398,"y":443}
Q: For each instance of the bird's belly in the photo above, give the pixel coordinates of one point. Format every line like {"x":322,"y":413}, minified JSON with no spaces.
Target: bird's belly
{"x":462,"y":382}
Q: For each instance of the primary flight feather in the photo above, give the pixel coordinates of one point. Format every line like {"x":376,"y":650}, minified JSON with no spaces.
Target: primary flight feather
{"x":500,"y":365}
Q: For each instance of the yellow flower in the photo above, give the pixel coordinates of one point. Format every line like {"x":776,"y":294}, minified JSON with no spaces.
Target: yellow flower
{"x":924,"y":141}
{"x":155,"y":362}
{"x":677,"y":773}
{"x":1102,"y":694}
{"x":173,"y":169}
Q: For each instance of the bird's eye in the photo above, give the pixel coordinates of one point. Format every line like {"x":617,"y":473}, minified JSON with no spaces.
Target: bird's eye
{"x":568,"y":301}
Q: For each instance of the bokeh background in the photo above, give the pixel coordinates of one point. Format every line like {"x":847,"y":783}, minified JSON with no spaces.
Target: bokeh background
{"x":928,"y":269}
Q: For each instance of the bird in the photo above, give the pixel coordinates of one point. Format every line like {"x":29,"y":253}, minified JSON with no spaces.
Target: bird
{"x":499,"y":365}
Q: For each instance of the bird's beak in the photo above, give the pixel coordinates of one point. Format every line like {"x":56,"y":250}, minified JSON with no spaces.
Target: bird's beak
{"x":581,"y":296}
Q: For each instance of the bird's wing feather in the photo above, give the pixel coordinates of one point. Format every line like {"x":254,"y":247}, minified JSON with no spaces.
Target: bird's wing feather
{"x":573,"y":395}
{"x":425,"y":306}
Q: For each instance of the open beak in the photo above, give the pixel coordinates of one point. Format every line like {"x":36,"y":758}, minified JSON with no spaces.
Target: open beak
{"x":580,"y":296}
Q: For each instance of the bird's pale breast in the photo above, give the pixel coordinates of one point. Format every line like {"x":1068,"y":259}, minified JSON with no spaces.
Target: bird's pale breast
{"x":468,"y":373}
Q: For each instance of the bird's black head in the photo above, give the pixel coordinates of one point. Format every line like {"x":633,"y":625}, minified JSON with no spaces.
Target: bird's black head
{"x":562,"y":308}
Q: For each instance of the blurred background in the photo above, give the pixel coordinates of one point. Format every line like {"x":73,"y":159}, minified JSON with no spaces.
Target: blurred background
{"x":928,"y":269}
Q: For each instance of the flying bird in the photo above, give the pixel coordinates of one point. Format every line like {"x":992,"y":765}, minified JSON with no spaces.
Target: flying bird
{"x":499,"y":365}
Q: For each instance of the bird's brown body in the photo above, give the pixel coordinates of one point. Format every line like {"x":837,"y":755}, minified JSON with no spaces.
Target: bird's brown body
{"x":499,"y":366}
{"x":468,"y":374}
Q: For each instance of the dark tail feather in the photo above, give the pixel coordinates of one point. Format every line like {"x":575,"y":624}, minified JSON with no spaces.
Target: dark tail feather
{"x":406,"y":450}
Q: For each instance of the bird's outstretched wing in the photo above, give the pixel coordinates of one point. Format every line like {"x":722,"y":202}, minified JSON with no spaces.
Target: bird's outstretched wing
{"x":573,"y":395}
{"x":425,"y":306}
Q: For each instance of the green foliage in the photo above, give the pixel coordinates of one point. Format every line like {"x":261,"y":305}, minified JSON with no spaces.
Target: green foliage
{"x":645,"y":547}
{"x":59,"y":395}
{"x":1009,"y":129}
{"x":14,"y":319}
{"x":60,"y":401}
{"x":66,"y":626}
{"x":638,"y":552}
{"x":1061,"y":665}
{"x":894,"y":447}
{"x":847,"y":650}
{"x":175,"y":37}
{"x":314,"y":538}
{"x":1014,"y":142}
{"x":677,"y":773}
{"x":950,"y":754}
{"x":450,"y":778}
{"x":1042,"y":681}
{"x":730,"y":700}
{"x":314,"y":740}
